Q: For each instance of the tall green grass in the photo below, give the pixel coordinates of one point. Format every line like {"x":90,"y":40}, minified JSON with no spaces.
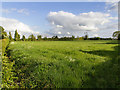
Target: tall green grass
{"x":65,"y":64}
{"x":3,"y":45}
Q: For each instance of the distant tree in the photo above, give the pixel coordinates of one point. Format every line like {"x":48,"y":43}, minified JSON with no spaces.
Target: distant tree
{"x":10,"y":36}
{"x":64,"y":38}
{"x":45,"y":38}
{"x":31,"y":38}
{"x":23,"y":38}
{"x":39,"y":37}
{"x":79,"y":38}
{"x":116,"y":34}
{"x":3,"y":34}
{"x":96,"y":38}
{"x":55,"y":38}
{"x":16,"y":35}
{"x":73,"y":37}
{"x":86,"y":36}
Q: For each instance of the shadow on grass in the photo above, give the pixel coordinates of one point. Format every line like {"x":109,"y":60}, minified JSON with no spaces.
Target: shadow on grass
{"x":106,"y":74}
{"x":110,"y":42}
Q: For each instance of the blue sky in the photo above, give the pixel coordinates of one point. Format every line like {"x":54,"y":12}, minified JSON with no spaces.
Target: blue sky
{"x":39,"y":11}
{"x":35,"y":14}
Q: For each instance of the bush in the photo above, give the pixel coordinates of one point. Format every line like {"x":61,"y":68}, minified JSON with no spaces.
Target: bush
{"x":5,"y":42}
{"x":119,"y":37}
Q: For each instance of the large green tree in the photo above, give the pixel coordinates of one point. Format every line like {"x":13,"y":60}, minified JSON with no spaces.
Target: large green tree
{"x":45,"y":38}
{"x":23,"y":38}
{"x":3,"y":34}
{"x":55,"y":38}
{"x":31,"y":38}
{"x":116,"y":34}
{"x":86,"y":36}
{"x":73,"y":37}
{"x":10,"y":36}
{"x":16,"y":35}
{"x":39,"y":37}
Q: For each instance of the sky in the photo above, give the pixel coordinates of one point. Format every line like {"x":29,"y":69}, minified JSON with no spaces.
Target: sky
{"x":98,"y":19}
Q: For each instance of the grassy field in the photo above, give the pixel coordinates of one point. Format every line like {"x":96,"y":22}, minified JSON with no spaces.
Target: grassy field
{"x":65,"y":64}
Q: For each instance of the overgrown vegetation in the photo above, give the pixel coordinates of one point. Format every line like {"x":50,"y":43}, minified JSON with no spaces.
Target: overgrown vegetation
{"x":117,"y":34}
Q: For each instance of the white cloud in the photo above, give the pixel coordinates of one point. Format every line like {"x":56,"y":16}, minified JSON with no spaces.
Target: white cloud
{"x":95,"y":35}
{"x":59,"y":26}
{"x":10,"y":10}
{"x":65,"y":22}
{"x":68,"y":33}
{"x":24,"y":11}
{"x":13,"y":24}
{"x":59,"y":32}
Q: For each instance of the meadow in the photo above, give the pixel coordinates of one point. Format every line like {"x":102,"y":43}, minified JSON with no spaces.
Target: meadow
{"x":64,"y":64}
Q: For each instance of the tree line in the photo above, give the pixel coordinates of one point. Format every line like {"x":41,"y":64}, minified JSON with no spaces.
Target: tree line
{"x":4,"y":35}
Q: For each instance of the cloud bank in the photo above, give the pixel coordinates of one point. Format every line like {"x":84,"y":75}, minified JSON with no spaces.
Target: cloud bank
{"x":12,"y":24}
{"x":65,"y":23}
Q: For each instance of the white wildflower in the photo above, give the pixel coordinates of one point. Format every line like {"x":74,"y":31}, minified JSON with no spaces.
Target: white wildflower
{"x":24,"y":57}
{"x":65,"y":56}
{"x":71,"y":59}
{"x":12,"y":42}
{"x":29,"y":47}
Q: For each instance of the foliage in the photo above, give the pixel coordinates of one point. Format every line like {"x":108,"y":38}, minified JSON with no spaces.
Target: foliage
{"x":31,"y":38}
{"x":4,"y":34}
{"x":116,"y":34}
{"x":16,"y":36}
{"x":86,"y":36}
{"x":78,"y":64}
{"x":8,"y":76}
{"x":10,"y":36}
{"x":73,"y":37}
{"x":3,"y":44}
{"x":45,"y":38}
{"x":55,"y":38}
{"x":39,"y":37}
{"x":0,"y":32}
{"x":23,"y":38}
{"x":95,"y":38}
{"x":79,"y":38}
